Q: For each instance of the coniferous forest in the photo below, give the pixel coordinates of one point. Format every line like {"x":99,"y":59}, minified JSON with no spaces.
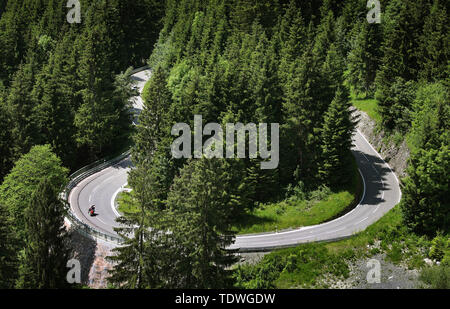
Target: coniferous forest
{"x":65,"y":102}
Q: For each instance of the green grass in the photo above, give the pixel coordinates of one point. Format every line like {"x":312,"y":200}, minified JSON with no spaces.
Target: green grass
{"x":437,"y":277}
{"x":370,"y":106}
{"x":127,"y":203}
{"x":323,"y":205}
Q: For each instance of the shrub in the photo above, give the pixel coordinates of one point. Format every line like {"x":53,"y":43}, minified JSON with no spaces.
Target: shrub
{"x":438,"y":277}
{"x":438,"y":247}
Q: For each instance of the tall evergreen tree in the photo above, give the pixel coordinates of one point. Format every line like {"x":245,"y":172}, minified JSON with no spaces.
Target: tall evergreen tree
{"x":44,"y":259}
{"x":425,"y":203}
{"x":6,"y":143}
{"x":364,"y":57}
{"x":306,"y":100}
{"x":20,"y":105}
{"x":200,"y":205}
{"x":336,"y":140}
{"x":434,"y":44}
{"x":142,"y":261}
{"x":403,"y":23}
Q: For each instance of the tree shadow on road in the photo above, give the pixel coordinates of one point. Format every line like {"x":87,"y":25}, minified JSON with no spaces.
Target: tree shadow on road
{"x":375,"y":176}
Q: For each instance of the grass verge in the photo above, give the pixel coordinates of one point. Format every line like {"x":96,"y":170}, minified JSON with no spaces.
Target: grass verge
{"x":127,"y":203}
{"x":370,"y":106}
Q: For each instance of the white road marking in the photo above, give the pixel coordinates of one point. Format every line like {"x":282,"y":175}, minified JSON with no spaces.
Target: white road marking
{"x":361,"y":221}
{"x":374,"y":168}
{"x":378,"y":206}
{"x":332,"y":232}
{"x":101,"y":220}
{"x":113,"y":199}
{"x":362,"y":153}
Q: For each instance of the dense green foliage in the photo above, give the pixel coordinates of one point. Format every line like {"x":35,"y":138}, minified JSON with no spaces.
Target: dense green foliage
{"x":23,"y":180}
{"x":8,"y":267}
{"x":60,"y":82}
{"x":65,"y":86}
{"x":43,"y":261}
{"x":425,"y":204}
{"x":33,"y":222}
{"x":292,"y":268}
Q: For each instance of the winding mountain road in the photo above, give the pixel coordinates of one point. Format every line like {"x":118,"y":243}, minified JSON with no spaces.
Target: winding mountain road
{"x":381,"y":193}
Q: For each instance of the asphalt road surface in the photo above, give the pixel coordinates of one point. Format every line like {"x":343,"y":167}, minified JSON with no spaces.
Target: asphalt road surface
{"x":381,"y":193}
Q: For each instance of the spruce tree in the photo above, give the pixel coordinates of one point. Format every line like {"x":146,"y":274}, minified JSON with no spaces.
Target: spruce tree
{"x":424,"y":204}
{"x":6,"y":143}
{"x":20,"y":105}
{"x":402,"y":26}
{"x":306,"y":100}
{"x":43,"y":261}
{"x":200,"y":207}
{"x":141,"y":261}
{"x":364,"y":57}
{"x":336,"y":140}
{"x":434,"y":44}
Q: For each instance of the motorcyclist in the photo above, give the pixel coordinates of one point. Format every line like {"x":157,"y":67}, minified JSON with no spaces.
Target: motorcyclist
{"x":92,"y":209}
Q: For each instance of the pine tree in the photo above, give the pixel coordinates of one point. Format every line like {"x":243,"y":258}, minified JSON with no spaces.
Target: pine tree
{"x":44,"y":259}
{"x":402,"y":25}
{"x":55,"y":108}
{"x":434,"y":44}
{"x":20,"y":105}
{"x":364,"y":57}
{"x":142,"y":261}
{"x":10,"y":42}
{"x":306,"y":100}
{"x":200,"y":205}
{"x":336,"y":137}
{"x":292,"y":38}
{"x":424,"y":204}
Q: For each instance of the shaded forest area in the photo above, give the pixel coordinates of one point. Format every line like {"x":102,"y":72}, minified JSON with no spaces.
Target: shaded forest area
{"x":60,"y":83}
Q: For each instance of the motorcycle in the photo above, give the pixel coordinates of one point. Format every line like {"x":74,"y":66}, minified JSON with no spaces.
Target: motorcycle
{"x":92,"y":211}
